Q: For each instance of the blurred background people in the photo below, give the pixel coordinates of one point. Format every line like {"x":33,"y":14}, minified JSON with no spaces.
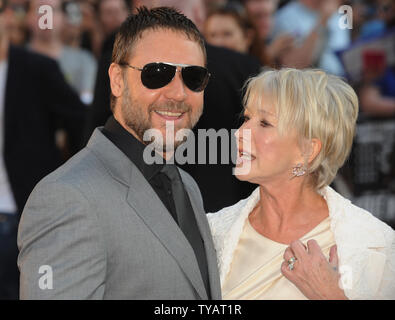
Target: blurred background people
{"x":77,"y":65}
{"x":314,"y":25}
{"x":111,"y":14}
{"x":377,"y":91}
{"x":382,"y":18}
{"x":226,"y":27}
{"x":35,"y":101}
{"x":267,"y":48}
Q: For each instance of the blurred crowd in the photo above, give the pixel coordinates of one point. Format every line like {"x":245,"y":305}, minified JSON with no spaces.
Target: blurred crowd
{"x":294,"y":33}
{"x":70,"y":87}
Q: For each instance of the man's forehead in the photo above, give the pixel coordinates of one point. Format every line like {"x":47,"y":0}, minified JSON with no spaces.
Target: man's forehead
{"x":163,"y":31}
{"x":158,"y":42}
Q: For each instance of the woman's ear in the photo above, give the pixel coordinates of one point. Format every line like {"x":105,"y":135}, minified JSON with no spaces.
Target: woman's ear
{"x":315,"y":146}
{"x":115,"y":73}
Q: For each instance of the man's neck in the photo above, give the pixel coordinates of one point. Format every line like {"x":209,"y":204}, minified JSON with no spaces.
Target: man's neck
{"x":52,"y":48}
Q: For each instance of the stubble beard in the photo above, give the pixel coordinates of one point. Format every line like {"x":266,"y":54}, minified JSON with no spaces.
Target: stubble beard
{"x":139,"y":122}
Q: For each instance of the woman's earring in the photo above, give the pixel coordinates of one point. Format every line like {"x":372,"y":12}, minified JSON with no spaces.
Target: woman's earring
{"x":299,"y":170}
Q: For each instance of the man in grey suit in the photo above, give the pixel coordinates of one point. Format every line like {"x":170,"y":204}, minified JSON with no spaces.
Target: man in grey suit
{"x":106,"y":225}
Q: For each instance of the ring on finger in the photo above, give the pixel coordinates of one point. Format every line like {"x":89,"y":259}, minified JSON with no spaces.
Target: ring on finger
{"x":291,"y":263}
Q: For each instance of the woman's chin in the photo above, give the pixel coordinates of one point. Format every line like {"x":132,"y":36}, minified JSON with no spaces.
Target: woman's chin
{"x":241,"y":175}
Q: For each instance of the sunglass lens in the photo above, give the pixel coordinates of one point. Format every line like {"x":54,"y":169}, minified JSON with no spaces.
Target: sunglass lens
{"x":195,"y":78}
{"x":157,"y":75}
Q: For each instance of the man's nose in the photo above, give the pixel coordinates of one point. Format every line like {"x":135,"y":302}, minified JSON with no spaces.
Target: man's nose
{"x":176,"y":89}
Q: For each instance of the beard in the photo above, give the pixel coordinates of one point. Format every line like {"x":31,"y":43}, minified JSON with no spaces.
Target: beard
{"x":139,"y":119}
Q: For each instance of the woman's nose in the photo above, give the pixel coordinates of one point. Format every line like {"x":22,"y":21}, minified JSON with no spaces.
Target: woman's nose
{"x":239,"y":132}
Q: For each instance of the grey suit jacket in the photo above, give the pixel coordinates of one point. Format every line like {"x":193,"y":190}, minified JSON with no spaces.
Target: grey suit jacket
{"x":95,"y":229}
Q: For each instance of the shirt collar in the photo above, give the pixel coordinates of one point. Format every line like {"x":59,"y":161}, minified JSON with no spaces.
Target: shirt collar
{"x":130,"y":146}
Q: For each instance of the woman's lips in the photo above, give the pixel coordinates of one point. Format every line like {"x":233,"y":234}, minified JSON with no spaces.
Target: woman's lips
{"x":244,"y":157}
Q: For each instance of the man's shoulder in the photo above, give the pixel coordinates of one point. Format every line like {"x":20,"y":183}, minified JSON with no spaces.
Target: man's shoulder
{"x":82,"y":170}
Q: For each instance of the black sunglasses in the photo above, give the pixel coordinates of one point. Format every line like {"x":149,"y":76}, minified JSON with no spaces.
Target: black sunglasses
{"x":156,"y":75}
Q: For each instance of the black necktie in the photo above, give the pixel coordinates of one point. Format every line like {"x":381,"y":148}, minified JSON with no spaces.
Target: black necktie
{"x":186,"y":220}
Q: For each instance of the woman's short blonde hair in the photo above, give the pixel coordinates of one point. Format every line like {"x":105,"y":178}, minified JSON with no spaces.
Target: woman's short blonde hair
{"x":316,"y":105}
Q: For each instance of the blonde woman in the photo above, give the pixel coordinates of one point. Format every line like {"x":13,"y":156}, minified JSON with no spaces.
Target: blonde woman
{"x":295,"y":237}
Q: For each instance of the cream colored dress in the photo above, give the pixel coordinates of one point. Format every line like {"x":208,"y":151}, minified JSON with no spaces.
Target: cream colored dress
{"x":365,"y":247}
{"x":255,"y":272}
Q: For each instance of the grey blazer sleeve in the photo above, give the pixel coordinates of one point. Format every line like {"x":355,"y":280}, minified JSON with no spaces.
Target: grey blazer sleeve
{"x":59,"y":233}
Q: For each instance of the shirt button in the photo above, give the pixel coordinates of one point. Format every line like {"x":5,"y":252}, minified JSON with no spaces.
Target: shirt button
{"x":169,"y":191}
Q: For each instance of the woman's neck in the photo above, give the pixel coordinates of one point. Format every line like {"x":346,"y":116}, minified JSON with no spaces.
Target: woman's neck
{"x":287,"y":212}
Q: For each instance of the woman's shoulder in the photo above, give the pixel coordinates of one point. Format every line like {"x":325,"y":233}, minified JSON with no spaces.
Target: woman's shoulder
{"x":352,"y":222}
{"x":226,"y":217}
{"x":366,"y":249}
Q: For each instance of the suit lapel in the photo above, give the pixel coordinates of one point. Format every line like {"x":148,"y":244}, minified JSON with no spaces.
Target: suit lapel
{"x":142,"y":198}
{"x":209,"y":247}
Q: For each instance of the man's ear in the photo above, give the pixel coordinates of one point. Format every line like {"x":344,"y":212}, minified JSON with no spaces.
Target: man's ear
{"x":115,"y":73}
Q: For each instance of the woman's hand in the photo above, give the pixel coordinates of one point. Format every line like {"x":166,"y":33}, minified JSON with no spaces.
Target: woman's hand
{"x":312,"y":274}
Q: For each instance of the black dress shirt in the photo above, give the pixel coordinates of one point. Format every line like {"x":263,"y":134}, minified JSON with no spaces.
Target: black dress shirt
{"x":134,"y":149}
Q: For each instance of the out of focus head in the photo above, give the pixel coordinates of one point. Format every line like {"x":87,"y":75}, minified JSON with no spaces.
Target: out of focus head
{"x":387,"y":11}
{"x":6,"y":19}
{"x":111,"y":14}
{"x":226,"y":27}
{"x":34,"y":16}
{"x":193,"y":9}
{"x":313,"y":4}
{"x":260,"y":13}
{"x":299,"y":117}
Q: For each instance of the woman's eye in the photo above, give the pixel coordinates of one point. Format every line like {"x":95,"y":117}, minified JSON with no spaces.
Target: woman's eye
{"x":245,"y":118}
{"x":265,"y":123}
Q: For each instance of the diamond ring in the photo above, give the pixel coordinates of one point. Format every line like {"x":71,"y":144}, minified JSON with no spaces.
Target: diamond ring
{"x":291,"y":263}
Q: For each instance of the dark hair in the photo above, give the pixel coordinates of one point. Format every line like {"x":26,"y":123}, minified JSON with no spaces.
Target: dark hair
{"x":237,"y":14}
{"x":145,"y":19}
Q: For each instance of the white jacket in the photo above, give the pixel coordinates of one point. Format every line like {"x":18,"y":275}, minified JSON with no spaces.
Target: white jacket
{"x":365,"y":245}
